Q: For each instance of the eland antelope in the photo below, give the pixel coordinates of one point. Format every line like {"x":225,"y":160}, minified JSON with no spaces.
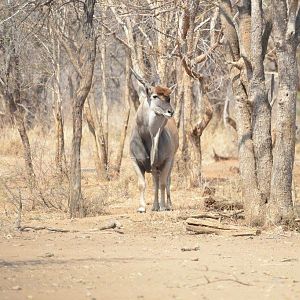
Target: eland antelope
{"x":153,"y":144}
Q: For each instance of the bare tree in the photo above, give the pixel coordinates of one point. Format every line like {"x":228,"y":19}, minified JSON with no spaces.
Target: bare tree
{"x":266,"y":174}
{"x":286,"y":16}
{"x":81,"y":49}
{"x":11,"y":81}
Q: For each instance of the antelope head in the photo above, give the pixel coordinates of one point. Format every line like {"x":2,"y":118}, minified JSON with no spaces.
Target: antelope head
{"x":158,"y":97}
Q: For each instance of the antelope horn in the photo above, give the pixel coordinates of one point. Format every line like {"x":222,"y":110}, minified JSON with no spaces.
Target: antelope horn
{"x":173,"y":87}
{"x":140,"y":79}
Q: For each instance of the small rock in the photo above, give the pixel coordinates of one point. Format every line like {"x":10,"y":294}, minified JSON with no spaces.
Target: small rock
{"x":16,"y":288}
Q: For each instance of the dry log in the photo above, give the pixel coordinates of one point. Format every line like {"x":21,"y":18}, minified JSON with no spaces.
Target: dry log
{"x":211,"y":223}
{"x":200,"y":229}
{"x":210,"y":202}
{"x":36,"y":228}
{"x":210,"y":230}
{"x":205,"y":226}
{"x":215,"y":215}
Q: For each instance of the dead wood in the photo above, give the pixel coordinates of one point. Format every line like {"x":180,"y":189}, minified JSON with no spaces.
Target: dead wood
{"x":111,"y":224}
{"x":216,"y":215}
{"x":209,"y":230}
{"x":190,"y":248}
{"x":211,"y":223}
{"x":211,"y":203}
{"x":208,"y":191}
{"x":36,"y":228}
{"x":218,"y":157}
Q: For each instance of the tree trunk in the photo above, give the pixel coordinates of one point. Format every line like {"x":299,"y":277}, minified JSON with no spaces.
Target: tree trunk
{"x":122,"y":142}
{"x":104,"y":97}
{"x":195,"y":139}
{"x":261,"y":114}
{"x":280,"y":208}
{"x":26,"y":146}
{"x":60,"y":141}
{"x":186,"y":120}
{"x":95,"y":127}
{"x":76,"y":201}
{"x":118,"y":163}
{"x":87,"y":55}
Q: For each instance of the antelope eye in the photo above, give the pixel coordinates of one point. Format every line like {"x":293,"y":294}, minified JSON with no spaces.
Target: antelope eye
{"x":155,"y":96}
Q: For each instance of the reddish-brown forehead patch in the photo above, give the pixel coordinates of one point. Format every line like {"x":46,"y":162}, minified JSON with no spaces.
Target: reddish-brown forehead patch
{"x":162,"y":91}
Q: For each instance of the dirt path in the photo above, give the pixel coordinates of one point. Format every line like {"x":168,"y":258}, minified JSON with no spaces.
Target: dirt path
{"x":146,"y":262}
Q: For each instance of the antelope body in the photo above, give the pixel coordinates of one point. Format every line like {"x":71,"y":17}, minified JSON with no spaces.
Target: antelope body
{"x":153,"y":144}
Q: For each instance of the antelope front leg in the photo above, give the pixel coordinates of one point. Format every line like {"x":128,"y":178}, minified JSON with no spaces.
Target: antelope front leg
{"x":155,"y":178}
{"x":163,"y":183}
{"x":168,"y":188}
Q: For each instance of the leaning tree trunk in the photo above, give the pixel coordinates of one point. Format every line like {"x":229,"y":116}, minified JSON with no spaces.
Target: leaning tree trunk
{"x":19,"y":120}
{"x":195,"y":139}
{"x":103,"y":96}
{"x":17,"y":111}
{"x":118,"y":162}
{"x":96,"y":129}
{"x":280,"y":208}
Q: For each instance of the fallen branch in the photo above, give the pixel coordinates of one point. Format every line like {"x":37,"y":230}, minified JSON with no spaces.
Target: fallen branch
{"x":111,"y":224}
{"x":218,"y":157}
{"x":209,"y":230}
{"x":216,"y":215}
{"x":36,"y":228}
{"x":210,"y":202}
{"x":208,"y":226}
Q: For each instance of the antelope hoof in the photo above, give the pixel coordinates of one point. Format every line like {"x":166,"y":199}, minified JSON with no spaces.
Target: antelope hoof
{"x":155,"y":207}
{"x":169,"y":208}
{"x":163,"y":208}
{"x":141,"y":209}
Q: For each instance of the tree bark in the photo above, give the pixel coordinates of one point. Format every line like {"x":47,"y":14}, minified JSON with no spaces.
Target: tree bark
{"x":118,"y":163}
{"x":280,"y":206}
{"x":87,"y":54}
{"x":239,"y":80}
{"x":76,"y":201}
{"x":26,"y":146}
{"x":261,"y":114}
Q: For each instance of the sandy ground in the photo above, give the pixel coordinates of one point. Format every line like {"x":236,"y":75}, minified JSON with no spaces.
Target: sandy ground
{"x":147,"y":260}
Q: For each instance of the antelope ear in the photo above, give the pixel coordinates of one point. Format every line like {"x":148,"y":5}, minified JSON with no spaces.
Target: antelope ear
{"x":173,"y":88}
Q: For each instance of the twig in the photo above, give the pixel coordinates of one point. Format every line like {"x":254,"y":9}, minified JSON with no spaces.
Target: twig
{"x":227,"y":279}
